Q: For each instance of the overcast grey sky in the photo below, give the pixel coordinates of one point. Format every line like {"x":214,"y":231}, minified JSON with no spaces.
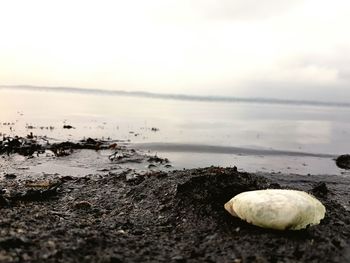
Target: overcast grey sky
{"x":273,"y":48}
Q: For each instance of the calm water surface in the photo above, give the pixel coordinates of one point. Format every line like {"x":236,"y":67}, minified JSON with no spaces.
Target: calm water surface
{"x":308,"y":129}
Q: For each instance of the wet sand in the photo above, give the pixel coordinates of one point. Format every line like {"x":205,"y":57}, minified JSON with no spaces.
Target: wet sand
{"x":134,"y":209}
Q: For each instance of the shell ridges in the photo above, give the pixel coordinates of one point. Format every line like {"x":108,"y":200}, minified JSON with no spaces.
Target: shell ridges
{"x":277,"y":208}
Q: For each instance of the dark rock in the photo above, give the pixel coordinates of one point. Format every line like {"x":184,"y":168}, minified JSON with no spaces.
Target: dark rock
{"x":343,"y":161}
{"x":10,"y":176}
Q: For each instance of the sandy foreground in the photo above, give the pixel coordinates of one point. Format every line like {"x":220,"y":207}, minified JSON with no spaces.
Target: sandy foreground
{"x":156,"y":215}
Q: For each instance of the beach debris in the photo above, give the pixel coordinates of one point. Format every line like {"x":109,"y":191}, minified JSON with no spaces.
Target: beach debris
{"x":31,"y":127}
{"x":277,"y":209}
{"x":343,"y":161}
{"x":60,"y":152}
{"x":156,"y":159}
{"x":37,"y":194}
{"x":31,"y":144}
{"x":126,"y":156}
{"x":113,"y":146}
{"x":67,"y":148}
{"x":20,"y":145}
{"x":117,"y":156}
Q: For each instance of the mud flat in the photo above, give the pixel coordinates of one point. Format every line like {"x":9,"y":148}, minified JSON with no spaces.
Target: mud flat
{"x":161,"y":216}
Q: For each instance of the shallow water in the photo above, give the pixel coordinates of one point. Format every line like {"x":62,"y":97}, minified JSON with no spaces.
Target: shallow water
{"x":254,"y":126}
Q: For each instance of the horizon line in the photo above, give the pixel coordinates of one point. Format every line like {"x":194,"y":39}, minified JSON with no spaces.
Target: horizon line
{"x":145,"y":94}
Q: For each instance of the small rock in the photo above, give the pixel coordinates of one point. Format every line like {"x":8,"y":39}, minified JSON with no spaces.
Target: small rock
{"x":10,"y":176}
{"x":121,"y":232}
{"x":51,"y":244}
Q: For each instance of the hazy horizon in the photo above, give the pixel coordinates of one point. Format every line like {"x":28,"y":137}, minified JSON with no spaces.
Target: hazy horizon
{"x":294,"y":50}
{"x":176,"y":96}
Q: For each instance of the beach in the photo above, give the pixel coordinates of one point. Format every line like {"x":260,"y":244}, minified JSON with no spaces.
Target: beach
{"x":121,"y":215}
{"x":174,"y":131}
{"x":111,"y":182}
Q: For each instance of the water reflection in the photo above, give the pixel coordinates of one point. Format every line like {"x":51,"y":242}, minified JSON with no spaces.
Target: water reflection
{"x":313,"y":132}
{"x":285,"y":127}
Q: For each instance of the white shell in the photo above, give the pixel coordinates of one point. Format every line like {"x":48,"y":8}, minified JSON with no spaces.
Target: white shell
{"x":277,"y":209}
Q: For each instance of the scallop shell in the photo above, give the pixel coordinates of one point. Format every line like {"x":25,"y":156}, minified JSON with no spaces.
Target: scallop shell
{"x":277,"y":208}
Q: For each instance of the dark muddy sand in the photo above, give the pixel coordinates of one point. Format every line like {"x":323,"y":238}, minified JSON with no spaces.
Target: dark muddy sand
{"x":158,"y":216}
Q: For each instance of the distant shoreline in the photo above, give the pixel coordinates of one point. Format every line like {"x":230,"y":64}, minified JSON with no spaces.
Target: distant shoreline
{"x":183,"y":97}
{"x":215,"y":149}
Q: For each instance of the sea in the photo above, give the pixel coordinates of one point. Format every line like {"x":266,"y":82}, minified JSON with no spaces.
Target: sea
{"x":255,"y":135}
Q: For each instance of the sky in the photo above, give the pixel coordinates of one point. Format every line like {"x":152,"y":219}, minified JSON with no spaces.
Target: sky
{"x":246,"y":48}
